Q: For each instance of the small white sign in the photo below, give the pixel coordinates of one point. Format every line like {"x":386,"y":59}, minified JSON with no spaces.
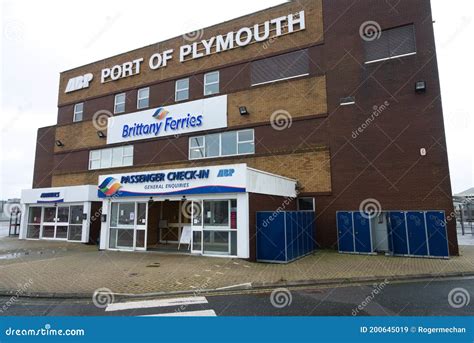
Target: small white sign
{"x":185,"y":235}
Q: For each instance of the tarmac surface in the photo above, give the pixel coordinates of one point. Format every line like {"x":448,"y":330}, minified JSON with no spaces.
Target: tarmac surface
{"x":420,"y":298}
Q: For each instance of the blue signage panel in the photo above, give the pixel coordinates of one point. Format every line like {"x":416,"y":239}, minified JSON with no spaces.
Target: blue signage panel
{"x":229,"y":329}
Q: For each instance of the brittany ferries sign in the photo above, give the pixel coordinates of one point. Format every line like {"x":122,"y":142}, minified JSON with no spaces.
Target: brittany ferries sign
{"x":258,"y":33}
{"x":193,"y":116}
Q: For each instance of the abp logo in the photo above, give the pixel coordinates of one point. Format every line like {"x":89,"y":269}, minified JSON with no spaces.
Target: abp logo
{"x":79,"y":82}
{"x":160,"y":113}
{"x":110,"y":186}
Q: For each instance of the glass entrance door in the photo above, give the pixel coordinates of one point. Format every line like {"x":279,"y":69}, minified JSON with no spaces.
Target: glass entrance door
{"x":128,"y":226}
{"x":49,"y":222}
{"x":141,"y":226}
{"x":196,"y":225}
{"x":55,"y":222}
{"x":62,"y":222}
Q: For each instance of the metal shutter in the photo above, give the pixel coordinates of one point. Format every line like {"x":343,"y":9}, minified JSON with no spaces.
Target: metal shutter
{"x":378,"y":48}
{"x":280,"y":67}
{"x":391,"y":43}
{"x":402,"y":40}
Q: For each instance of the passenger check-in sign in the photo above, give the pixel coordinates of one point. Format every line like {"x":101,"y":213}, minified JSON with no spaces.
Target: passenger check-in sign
{"x":194,"y":116}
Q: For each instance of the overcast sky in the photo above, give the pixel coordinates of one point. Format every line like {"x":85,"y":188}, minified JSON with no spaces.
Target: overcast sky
{"x":42,"y":38}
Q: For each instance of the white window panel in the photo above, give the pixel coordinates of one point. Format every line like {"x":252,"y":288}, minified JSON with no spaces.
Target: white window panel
{"x":143,"y":98}
{"x":229,"y":143}
{"x":213,"y":145}
{"x":222,"y":144}
{"x":119,"y":103}
{"x":211,"y":83}
{"x":106,"y":158}
{"x":111,"y":158}
{"x":182,"y":90}
{"x":117,"y":157}
{"x":78,"y":112}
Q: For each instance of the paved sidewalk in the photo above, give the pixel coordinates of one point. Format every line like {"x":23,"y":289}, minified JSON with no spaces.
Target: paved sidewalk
{"x":66,"y":268}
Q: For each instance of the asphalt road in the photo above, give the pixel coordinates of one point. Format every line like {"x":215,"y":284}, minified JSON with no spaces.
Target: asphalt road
{"x":420,"y":298}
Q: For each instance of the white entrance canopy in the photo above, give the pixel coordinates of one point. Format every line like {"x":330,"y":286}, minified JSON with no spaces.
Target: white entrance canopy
{"x":234,"y":178}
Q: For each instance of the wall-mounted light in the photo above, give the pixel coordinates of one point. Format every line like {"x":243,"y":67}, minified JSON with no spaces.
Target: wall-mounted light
{"x":59,"y":143}
{"x":350,"y":100}
{"x":420,"y":87}
{"x":183,"y":198}
{"x":243,"y":111}
{"x":150,"y":202}
{"x":101,"y":134}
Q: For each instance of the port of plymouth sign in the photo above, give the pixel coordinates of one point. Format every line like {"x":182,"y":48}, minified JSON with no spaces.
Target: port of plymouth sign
{"x":258,"y":33}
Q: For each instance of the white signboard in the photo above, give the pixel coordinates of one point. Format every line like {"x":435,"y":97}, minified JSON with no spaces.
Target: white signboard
{"x":193,"y":116}
{"x":185,"y":236}
{"x":204,"y":180}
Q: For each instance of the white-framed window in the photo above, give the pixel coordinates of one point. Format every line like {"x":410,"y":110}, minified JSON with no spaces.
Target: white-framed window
{"x":211,"y":83}
{"x":222,"y":144}
{"x":182,"y":90}
{"x":119,"y":103}
{"x":78,"y":112}
{"x":121,"y":156}
{"x":143,"y":98}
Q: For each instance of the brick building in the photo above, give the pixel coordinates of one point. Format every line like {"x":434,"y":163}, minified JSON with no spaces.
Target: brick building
{"x":332,"y":104}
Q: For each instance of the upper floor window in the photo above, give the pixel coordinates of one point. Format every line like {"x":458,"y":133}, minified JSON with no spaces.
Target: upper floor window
{"x":78,"y":112}
{"x":211,"y":83}
{"x":182,"y":90}
{"x":143,"y":98}
{"x":222,"y":144}
{"x":278,"y":68}
{"x":119,"y":103}
{"x":389,"y":44}
{"x":111,"y":158}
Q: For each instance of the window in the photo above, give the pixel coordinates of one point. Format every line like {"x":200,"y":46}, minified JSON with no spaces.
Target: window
{"x":306,"y":204}
{"x":119,"y":103}
{"x":143,"y":98}
{"x":182,"y":90}
{"x":78,"y":112}
{"x":220,"y":224}
{"x":391,"y":43}
{"x":216,"y":213}
{"x":283,"y":67}
{"x":111,"y":158}
{"x":222,"y":144}
{"x":34,"y":223}
{"x":211,"y":83}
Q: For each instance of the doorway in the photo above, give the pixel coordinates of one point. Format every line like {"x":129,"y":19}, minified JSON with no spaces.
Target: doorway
{"x":128,"y":226}
{"x":380,"y":232}
{"x":170,"y":225}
